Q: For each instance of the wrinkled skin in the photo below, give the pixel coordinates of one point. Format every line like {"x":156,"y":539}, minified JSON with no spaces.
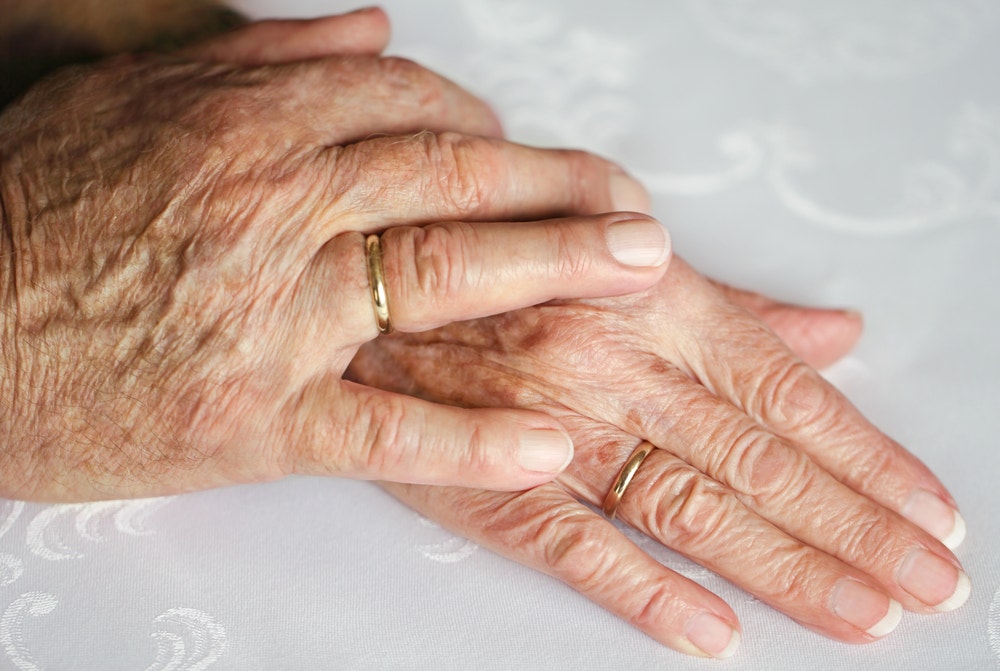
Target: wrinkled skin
{"x":184,"y":278}
{"x":644,"y":366}
{"x":764,"y":473}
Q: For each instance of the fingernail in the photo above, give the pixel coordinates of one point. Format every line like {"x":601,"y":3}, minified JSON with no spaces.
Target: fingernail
{"x":545,"y":450}
{"x":936,"y":582}
{"x":628,"y":195}
{"x":713,"y":635}
{"x":865,"y":608}
{"x":935,"y":517}
{"x":638,"y":242}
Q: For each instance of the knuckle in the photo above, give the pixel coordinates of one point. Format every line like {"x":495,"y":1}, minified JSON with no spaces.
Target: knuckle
{"x":464,"y":169}
{"x":791,"y":394}
{"x":866,"y":535}
{"x":409,"y":81}
{"x":656,"y":607}
{"x":402,"y":72}
{"x":223,"y":102}
{"x":429,"y":267}
{"x":691,"y":510}
{"x":669,"y":401}
{"x":762,"y":466}
{"x":573,"y":551}
{"x":792,"y":575}
{"x":871,"y":466}
{"x":377,"y":426}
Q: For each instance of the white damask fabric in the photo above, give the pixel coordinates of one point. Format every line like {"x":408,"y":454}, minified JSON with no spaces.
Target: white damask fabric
{"x":841,"y":153}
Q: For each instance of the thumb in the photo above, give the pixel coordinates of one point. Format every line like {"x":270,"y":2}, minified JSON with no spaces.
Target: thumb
{"x":336,"y":427}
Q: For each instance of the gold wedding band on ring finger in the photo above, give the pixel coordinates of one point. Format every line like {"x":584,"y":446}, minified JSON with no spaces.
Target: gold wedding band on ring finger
{"x":628,"y":470}
{"x":376,"y":282}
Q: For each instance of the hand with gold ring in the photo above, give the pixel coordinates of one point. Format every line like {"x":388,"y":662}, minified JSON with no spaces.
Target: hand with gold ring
{"x":761,"y":472}
{"x":186,"y":278}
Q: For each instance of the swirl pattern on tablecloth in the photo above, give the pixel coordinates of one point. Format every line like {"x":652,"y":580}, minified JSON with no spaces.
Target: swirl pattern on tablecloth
{"x":49,"y":532}
{"x":34,"y":604}
{"x":450,"y":549}
{"x":187,"y":639}
{"x":880,"y":39}
{"x":932,"y":193}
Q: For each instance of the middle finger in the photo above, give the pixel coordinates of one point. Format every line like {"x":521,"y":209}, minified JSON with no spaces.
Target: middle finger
{"x":702,"y":519}
{"x":793,"y":401}
{"x":457,"y":176}
{"x":782,"y":485}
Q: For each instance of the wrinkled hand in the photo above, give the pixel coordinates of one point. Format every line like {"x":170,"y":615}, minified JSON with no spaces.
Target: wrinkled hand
{"x":764,"y":472}
{"x":184,"y":279}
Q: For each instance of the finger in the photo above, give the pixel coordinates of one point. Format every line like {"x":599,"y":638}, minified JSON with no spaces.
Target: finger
{"x":780,"y":483}
{"x":451,"y":176}
{"x":700,"y":518}
{"x":365,"y":31}
{"x":545,"y":529}
{"x":389,"y":96}
{"x":338,"y":428}
{"x":818,"y":336}
{"x":317,"y":107}
{"x":792,"y":400}
{"x":449,"y":272}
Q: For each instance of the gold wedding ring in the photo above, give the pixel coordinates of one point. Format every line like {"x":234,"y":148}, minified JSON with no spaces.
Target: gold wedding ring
{"x":376,"y":282}
{"x":632,"y":464}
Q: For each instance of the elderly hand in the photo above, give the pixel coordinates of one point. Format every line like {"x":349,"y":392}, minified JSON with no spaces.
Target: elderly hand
{"x":764,"y":473}
{"x":184,"y":272}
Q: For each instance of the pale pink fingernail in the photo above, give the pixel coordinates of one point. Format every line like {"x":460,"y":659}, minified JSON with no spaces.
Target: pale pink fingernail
{"x":627,"y":195}
{"x":933,"y":580}
{"x":713,"y":635}
{"x":936,"y":517}
{"x":638,"y":242}
{"x":545,"y":450}
{"x":865,"y":608}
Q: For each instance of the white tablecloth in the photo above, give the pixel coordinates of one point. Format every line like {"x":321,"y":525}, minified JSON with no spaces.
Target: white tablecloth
{"x":843,"y":153}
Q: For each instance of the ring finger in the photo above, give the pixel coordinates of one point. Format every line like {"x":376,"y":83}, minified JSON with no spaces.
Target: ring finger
{"x":780,"y":483}
{"x":455,"y":271}
{"x":696,"y":516}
